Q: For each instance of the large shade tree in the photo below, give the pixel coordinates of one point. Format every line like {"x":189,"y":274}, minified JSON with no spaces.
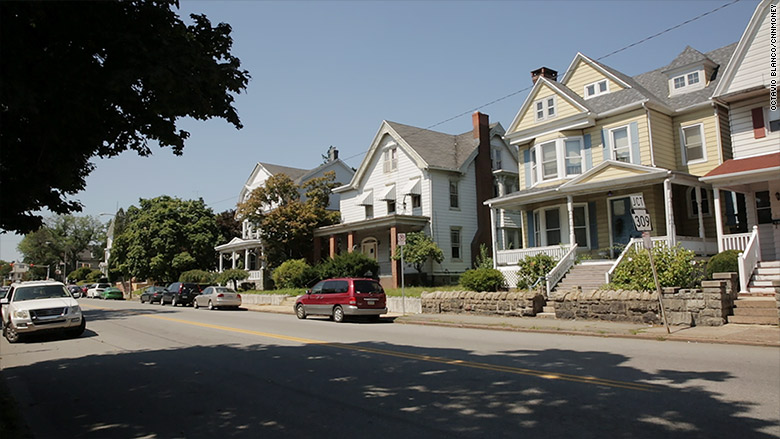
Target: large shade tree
{"x":61,"y":239}
{"x":164,"y":237}
{"x":94,"y":79}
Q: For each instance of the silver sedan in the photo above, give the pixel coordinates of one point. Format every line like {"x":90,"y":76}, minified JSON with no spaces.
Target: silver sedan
{"x":217,"y":297}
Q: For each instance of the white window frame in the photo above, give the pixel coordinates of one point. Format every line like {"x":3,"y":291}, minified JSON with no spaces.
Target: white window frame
{"x":546,"y":107}
{"x":706,"y":202}
{"x":612,"y":149}
{"x":534,"y":167}
{"x":596,"y":89}
{"x":458,"y":244}
{"x":566,"y":156}
{"x":768,"y":115}
{"x":495,"y":155}
{"x":684,"y":146}
{"x":537,"y":163}
{"x":455,"y":194}
{"x":390,"y":159}
{"x":686,"y":83}
{"x":555,"y":160}
{"x":369,"y":210}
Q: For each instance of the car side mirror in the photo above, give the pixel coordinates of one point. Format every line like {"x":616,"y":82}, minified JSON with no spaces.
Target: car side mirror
{"x":4,"y":301}
{"x":307,"y":292}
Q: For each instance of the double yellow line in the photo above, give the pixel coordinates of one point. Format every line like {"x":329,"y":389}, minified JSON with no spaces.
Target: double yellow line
{"x":428,"y":358}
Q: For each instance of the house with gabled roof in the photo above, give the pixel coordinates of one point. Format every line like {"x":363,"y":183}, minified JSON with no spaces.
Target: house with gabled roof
{"x":415,"y":179}
{"x":747,"y":186}
{"x":247,"y":250}
{"x":590,"y":141}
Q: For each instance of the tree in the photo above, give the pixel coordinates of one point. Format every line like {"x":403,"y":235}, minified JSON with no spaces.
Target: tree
{"x":227,"y":225}
{"x":83,"y":80}
{"x":419,"y":249}
{"x":61,"y":239}
{"x":233,"y":275}
{"x":165,"y":237}
{"x":286,"y":223}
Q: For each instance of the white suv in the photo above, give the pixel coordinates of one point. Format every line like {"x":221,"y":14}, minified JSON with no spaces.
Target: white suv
{"x":40,"y":306}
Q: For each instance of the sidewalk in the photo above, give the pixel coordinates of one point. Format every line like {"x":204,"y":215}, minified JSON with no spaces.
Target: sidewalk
{"x":753,"y":335}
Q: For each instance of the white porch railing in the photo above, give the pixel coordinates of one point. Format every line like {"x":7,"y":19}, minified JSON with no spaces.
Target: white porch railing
{"x":735,"y":241}
{"x":512,"y":257}
{"x":634,"y":243}
{"x":560,"y":270}
{"x":748,"y":260}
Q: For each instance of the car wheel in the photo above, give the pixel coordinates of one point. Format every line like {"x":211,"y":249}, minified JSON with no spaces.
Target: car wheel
{"x":173,"y":301}
{"x":195,"y":304}
{"x":10,"y":333}
{"x":300,"y":312}
{"x":74,"y":333}
{"x":142,"y":299}
{"x":211,"y":306}
{"x":338,"y":315}
{"x":162,"y":301}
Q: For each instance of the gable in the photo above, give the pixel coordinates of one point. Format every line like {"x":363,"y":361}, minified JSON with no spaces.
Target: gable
{"x":584,"y":73}
{"x":543,"y":91}
{"x":611,"y":173}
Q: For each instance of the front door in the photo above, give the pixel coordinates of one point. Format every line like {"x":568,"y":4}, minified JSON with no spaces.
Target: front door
{"x":622,"y":224}
{"x":369,"y":247}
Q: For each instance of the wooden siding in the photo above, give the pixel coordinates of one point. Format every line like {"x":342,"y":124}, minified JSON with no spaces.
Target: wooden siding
{"x":666,"y":154}
{"x":755,"y":67}
{"x":743,"y":142}
{"x":612,"y":173}
{"x":725,"y":134}
{"x":637,"y":116}
{"x":706,"y":117}
{"x":564,"y":109}
{"x":444,"y":218}
{"x":584,"y":74}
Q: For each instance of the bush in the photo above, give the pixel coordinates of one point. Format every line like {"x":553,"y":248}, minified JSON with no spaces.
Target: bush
{"x":676,"y":268}
{"x":294,"y":273}
{"x":353,"y":264}
{"x":79,"y":274}
{"x":723,"y":262}
{"x":482,"y":279}
{"x":197,"y":276}
{"x":95,"y":276}
{"x":532,"y":268}
{"x":233,"y":275}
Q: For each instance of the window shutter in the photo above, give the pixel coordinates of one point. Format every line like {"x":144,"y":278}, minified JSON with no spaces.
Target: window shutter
{"x":758,"y":123}
{"x":587,"y":153}
{"x":605,"y":145}
{"x":527,"y":161}
{"x":683,"y":147}
{"x":636,"y":158}
{"x":731,"y":218}
{"x":594,"y":228}
{"x":530,"y":223}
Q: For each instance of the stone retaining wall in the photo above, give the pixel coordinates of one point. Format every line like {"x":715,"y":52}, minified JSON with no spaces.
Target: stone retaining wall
{"x":521,"y":303}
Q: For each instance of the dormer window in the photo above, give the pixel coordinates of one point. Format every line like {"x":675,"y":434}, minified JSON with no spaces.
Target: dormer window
{"x":596,"y":88}
{"x":545,"y":108}
{"x":688,"y":81}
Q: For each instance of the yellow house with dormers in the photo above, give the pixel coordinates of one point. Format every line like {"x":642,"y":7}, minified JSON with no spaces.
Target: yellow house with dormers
{"x":590,"y":141}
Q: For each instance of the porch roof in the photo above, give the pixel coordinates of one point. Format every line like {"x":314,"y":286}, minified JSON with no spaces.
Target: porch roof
{"x":238,"y":244}
{"x":401,"y":221}
{"x":743,"y":171}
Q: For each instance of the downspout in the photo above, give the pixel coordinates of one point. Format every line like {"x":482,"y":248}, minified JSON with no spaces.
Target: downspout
{"x":718,"y":132}
{"x":649,"y":134}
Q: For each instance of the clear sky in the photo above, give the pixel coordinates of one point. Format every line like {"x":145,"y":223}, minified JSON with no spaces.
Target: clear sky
{"x":327,"y":73}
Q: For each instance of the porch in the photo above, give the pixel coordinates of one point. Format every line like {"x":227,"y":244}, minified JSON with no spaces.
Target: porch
{"x":244,"y":254}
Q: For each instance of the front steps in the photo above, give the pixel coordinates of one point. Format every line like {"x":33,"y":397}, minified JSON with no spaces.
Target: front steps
{"x":587,"y":276}
{"x":758,"y":306}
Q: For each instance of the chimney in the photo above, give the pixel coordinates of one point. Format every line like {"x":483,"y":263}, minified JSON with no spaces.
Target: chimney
{"x":546,"y":72}
{"x":333,"y":154}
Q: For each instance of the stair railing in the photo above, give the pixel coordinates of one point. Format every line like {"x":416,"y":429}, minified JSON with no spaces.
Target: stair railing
{"x":748,"y":260}
{"x":561,"y":268}
{"x":633,"y":242}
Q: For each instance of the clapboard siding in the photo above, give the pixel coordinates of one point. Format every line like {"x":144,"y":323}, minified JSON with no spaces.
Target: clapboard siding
{"x":743,"y":141}
{"x":755,"y":68}
{"x":584,"y":74}
{"x":666,"y":155}
{"x":705,"y":117}
{"x":564,"y":109}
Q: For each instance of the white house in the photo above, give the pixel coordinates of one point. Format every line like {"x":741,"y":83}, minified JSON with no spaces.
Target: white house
{"x":414,"y":179}
{"x":249,"y":247}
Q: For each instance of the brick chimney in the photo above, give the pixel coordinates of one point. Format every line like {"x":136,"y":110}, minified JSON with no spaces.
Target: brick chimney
{"x":546,"y":72}
{"x":483,"y":167}
{"x":333,"y":154}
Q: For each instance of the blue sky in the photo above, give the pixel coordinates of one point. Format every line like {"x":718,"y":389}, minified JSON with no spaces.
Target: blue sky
{"x":327,"y":73}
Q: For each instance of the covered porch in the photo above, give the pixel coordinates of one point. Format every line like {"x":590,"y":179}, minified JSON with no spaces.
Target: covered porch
{"x":245,"y":254}
{"x":375,"y":238}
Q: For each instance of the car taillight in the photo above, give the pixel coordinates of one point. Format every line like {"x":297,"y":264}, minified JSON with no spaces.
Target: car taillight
{"x":220,"y":295}
{"x":238,"y":295}
{"x":352,"y":301}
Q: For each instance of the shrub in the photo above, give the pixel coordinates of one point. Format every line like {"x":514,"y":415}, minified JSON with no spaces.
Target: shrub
{"x":723,"y":262}
{"x":232,"y":275}
{"x":353,"y":264}
{"x":79,"y":274}
{"x":197,"y":276}
{"x":482,"y":279}
{"x":95,"y":276}
{"x":294,"y":273}
{"x":532,"y":268}
{"x":676,"y":268}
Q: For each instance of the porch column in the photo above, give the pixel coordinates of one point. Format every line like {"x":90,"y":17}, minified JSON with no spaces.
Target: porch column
{"x":750,"y":206}
{"x":332,"y":246}
{"x":246,"y":259}
{"x":718,"y":218}
{"x":570,"y":206}
{"x":393,"y":263}
{"x":701,"y":218}
{"x":350,"y":242}
{"x":523,"y":229}
{"x":233,"y":258}
{"x":671,"y":232}
{"x":221,"y":257}
{"x":493,"y":233}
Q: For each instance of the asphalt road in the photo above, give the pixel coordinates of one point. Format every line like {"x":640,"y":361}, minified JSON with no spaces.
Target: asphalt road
{"x":145,"y":371}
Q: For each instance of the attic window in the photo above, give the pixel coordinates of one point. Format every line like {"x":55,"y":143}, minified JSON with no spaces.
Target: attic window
{"x":689,"y":81}
{"x":596,"y":88}
{"x":545,"y":108}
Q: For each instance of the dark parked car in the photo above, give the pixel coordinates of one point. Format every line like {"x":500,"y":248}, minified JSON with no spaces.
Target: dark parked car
{"x":152,"y":294}
{"x":75,"y":290}
{"x":180,"y":293}
{"x":339,"y":298}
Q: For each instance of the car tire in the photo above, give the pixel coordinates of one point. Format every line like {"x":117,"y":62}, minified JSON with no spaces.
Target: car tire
{"x":142,"y":299}
{"x":338,"y":315}
{"x":162,"y":301}
{"x":300,"y":312}
{"x":75,"y":333}
{"x":195,"y":304}
{"x":173,"y":301}
{"x":211,"y":306}
{"x":10,"y":333}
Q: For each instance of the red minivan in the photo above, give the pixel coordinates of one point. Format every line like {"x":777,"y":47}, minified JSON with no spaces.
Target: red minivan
{"x":343,"y":297}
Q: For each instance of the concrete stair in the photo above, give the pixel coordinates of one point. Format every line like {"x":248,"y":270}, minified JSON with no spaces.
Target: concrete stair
{"x":766,"y":279}
{"x":758,"y":306}
{"x":588,"y":276}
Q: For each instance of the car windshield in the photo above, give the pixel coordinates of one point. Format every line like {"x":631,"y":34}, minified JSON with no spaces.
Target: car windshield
{"x":40,"y":292}
{"x":368,"y":286}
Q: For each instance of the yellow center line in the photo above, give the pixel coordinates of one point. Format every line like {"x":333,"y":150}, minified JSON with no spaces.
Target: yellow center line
{"x":432,"y":359}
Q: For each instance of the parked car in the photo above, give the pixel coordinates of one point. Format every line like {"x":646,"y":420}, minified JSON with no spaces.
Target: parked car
{"x":152,"y":294}
{"x":84,"y":289}
{"x":217,"y":297}
{"x":95,"y":291}
{"x":180,"y":293}
{"x":340,"y":298}
{"x":39,"y":306}
{"x":4,"y":291}
{"x":75,"y":291}
{"x":112,"y":293}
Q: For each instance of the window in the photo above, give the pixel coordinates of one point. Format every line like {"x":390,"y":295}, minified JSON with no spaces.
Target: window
{"x":693,"y":143}
{"x":496,"y":158}
{"x":416,"y":201}
{"x":454,"y":201}
{"x":391,"y":159}
{"x":580,"y":226}
{"x":545,"y":108}
{"x":552,"y":226}
{"x":694,"y":206}
{"x":621,"y":146}
{"x":369,"y":211}
{"x":693,"y":78}
{"x":549,"y":161}
{"x":390,"y":206}
{"x":596,"y":88}
{"x":773,"y":116}
{"x":537,"y":229}
{"x":679,"y":82}
{"x":455,"y":243}
{"x":763,"y":209}
{"x":687,"y":82}
{"x":573,"y":153}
